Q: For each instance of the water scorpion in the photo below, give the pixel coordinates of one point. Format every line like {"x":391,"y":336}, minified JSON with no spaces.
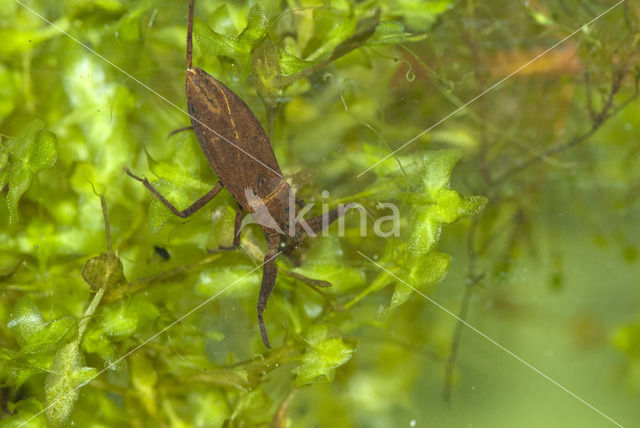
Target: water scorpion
{"x":239,"y":151}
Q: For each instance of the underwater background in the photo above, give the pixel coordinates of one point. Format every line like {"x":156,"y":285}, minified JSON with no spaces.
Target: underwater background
{"x":490,"y":279}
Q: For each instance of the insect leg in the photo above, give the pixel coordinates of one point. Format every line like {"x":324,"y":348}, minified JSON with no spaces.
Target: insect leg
{"x":186,"y":212}
{"x":318,"y":224}
{"x":269,"y":274}
{"x":177,"y":131}
{"x":319,"y":283}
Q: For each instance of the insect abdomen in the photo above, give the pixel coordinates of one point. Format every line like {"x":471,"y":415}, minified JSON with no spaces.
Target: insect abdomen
{"x":221,"y":120}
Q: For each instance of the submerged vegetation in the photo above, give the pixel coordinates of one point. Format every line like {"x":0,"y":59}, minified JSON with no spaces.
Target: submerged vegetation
{"x":114,"y":312}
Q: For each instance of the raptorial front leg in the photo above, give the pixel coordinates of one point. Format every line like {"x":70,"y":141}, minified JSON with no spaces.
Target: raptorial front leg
{"x":269,"y":274}
{"x":319,"y":223}
{"x":186,"y":212}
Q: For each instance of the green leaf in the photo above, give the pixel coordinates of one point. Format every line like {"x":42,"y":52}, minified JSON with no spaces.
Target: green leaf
{"x":50,"y":336}
{"x":42,"y":153}
{"x":67,"y":374}
{"x":26,"y":320}
{"x":438,"y":168}
{"x":440,"y":204}
{"x":118,"y":321}
{"x":144,"y":310}
{"x":213,"y":43}
{"x":331,"y":27}
{"x":429,"y":269}
{"x":450,"y":206}
{"x":19,"y":182}
{"x":33,"y":334}
{"x":184,"y":166}
{"x":32,"y":151}
{"x":237,"y":48}
{"x":426,"y":232}
{"x":257,"y":24}
{"x":266,"y":63}
{"x":426,"y":270}
{"x":23,"y":374}
{"x":393,"y":32}
{"x":95,"y":341}
{"x":291,"y":64}
{"x":364,"y":30}
{"x":419,"y":15}
{"x":323,"y":356}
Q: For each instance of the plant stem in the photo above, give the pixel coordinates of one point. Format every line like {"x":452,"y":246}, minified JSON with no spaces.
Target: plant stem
{"x":472,"y":280}
{"x":88,"y":313}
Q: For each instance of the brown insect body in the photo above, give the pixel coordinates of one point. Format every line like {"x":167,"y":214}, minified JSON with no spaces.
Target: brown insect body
{"x":240,"y":153}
